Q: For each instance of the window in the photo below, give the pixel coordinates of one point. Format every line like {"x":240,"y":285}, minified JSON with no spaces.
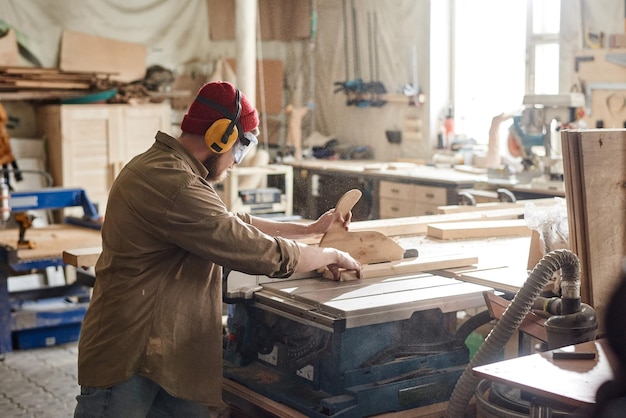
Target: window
{"x":502,"y":50}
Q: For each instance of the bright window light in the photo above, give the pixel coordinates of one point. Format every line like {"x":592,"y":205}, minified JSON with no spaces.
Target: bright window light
{"x":490,"y":63}
{"x":492,"y":53}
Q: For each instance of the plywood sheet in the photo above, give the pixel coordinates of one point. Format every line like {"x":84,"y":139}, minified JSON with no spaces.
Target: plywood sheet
{"x":84,"y":52}
{"x":271,"y":72}
{"x":282,"y":20}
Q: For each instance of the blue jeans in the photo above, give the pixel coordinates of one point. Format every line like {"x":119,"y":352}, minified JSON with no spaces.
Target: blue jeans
{"x":138,"y":397}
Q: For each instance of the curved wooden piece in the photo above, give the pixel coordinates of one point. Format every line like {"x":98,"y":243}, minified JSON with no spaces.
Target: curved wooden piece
{"x":365,"y":246}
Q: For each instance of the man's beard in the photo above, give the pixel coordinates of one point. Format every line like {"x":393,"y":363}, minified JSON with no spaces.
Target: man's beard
{"x":211,"y":164}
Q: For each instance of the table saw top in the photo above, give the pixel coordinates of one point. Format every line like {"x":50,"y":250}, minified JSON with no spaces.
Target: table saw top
{"x":368,"y":301}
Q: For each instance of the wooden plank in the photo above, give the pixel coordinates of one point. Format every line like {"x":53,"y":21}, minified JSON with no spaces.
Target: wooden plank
{"x":49,"y":84}
{"x":418,"y":225}
{"x":279,"y":410}
{"x":272,"y":86}
{"x":275,"y":408}
{"x":575,"y":206}
{"x":478,"y":229}
{"x":493,"y":206}
{"x":408,"y":266}
{"x":501,"y":278}
{"x":9,"y":54}
{"x":82,"y":257}
{"x":600,"y":200}
{"x":126,"y":61}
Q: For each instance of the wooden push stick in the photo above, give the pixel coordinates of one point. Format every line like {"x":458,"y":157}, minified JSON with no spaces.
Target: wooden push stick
{"x":367,"y":247}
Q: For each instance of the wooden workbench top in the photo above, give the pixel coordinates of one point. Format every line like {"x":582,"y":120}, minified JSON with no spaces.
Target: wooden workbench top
{"x":50,"y":241}
{"x":391,"y":170}
{"x":572,"y":382}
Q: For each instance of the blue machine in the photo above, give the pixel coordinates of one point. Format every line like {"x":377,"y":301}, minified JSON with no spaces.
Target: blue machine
{"x":350,"y":349}
{"x":15,"y":260}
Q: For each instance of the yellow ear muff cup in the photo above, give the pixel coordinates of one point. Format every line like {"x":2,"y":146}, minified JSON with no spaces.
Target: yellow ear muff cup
{"x":217,"y":137}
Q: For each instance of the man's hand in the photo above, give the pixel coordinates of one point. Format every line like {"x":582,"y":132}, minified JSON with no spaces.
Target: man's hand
{"x":346,"y":262}
{"x":327,"y":219}
{"x":313,"y":258}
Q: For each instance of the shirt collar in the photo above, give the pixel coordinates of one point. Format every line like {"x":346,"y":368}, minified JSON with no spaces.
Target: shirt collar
{"x":171,"y":142}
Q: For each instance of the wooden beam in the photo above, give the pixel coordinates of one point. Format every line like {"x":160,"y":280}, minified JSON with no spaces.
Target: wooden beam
{"x":418,"y":225}
{"x":494,"y":205}
{"x":478,"y":229}
{"x":82,"y":257}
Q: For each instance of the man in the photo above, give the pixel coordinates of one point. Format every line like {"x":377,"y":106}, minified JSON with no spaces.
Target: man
{"x":151,"y":341}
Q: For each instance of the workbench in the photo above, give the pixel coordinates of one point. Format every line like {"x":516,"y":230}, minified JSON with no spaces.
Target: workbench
{"x":390,"y":190}
{"x":50,"y":241}
{"x":568,"y":385}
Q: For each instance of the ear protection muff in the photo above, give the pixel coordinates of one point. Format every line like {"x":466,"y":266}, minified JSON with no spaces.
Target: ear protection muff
{"x":223,"y":133}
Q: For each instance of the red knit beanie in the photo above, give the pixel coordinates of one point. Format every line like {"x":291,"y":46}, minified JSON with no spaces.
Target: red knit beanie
{"x":200,"y":115}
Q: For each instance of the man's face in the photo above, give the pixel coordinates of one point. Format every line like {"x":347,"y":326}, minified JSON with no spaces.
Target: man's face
{"x":218,"y":165}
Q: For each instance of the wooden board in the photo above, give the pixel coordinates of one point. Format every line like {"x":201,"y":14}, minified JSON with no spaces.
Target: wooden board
{"x":595,"y":179}
{"x":82,"y":257}
{"x":532,"y":324}
{"x":408,"y":266}
{"x":478,"y":229}
{"x":9,"y":54}
{"x":271,"y":102}
{"x":84,"y":52}
{"x":493,"y":206}
{"x":418,"y":225}
{"x":279,"y":410}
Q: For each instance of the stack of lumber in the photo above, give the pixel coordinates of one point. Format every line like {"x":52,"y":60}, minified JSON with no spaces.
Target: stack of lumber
{"x":595,"y":179}
{"x":29,"y":81}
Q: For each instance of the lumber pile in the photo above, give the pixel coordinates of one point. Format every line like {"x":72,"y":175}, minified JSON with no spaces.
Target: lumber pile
{"x":50,"y":82}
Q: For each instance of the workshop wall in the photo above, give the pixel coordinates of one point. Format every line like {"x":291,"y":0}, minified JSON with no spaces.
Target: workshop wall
{"x":178,"y":36}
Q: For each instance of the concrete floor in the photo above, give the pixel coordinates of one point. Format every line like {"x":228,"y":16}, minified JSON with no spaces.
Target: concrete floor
{"x":39,"y":382}
{"x":42,"y":383}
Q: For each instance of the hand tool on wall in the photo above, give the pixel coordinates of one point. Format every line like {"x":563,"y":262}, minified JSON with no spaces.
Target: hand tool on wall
{"x":375,"y":87}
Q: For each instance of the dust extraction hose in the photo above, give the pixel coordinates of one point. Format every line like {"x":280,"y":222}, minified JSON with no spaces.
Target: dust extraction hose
{"x":513,"y":316}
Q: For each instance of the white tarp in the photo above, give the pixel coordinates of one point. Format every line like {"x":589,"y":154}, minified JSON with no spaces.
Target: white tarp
{"x":177,"y":34}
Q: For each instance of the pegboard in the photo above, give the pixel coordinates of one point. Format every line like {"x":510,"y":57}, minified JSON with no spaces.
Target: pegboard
{"x":601,"y":73}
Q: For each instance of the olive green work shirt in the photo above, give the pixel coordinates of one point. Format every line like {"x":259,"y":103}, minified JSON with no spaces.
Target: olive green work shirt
{"x":157,"y":301}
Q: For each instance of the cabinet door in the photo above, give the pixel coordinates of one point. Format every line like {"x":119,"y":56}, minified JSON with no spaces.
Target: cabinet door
{"x":84,"y":148}
{"x":139,"y":124}
{"x":89,"y":144}
{"x":404,"y":199}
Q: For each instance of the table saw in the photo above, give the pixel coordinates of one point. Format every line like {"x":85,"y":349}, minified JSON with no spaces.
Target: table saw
{"x":348,"y":349}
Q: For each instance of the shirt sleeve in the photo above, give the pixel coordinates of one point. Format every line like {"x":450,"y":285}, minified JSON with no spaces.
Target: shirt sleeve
{"x":199,"y":222}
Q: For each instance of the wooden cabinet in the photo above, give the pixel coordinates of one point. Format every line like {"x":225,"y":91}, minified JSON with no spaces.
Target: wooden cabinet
{"x":89,"y":144}
{"x":412,"y":190}
{"x":403,"y":199}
